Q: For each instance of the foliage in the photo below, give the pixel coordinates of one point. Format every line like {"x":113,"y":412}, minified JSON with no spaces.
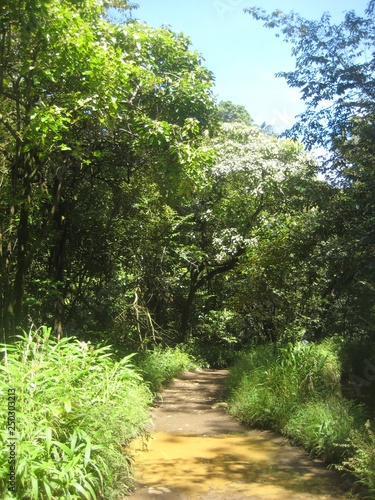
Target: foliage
{"x":268,"y":383}
{"x":269,"y":202}
{"x":127,"y":206}
{"x":217,"y":338}
{"x":334,"y":70}
{"x":249,"y":180}
{"x":358,"y":355}
{"x":362,"y":461}
{"x":230,"y":112}
{"x":87,"y":105}
{"x":130,"y":199}
{"x":335,"y":74}
{"x":160,"y":366}
{"x":76,"y":410}
{"x":324,"y":427}
{"x":296,"y":391}
{"x":136,"y":210}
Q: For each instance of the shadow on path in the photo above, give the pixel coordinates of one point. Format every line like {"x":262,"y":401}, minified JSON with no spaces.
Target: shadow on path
{"x":197,"y":451}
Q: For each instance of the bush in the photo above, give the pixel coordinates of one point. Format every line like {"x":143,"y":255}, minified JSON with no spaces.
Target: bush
{"x":159,"y":366}
{"x":76,"y":410}
{"x":324,"y":427}
{"x":361,"y":462}
{"x":268,"y":383}
{"x":295,"y":390}
{"x":256,"y":405}
{"x":354,"y":353}
{"x":217,"y":338}
{"x":213,"y":355}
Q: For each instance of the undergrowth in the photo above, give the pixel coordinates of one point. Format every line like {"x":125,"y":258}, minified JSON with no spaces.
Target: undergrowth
{"x":362,"y":460}
{"x":76,"y":409}
{"x":295,"y":390}
{"x":158,"y":366}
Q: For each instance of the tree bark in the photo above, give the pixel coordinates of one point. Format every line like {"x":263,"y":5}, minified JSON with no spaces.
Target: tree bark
{"x":22,"y":246}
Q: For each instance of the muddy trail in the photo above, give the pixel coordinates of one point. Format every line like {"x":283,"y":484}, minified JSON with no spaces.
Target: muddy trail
{"x":197,"y":451}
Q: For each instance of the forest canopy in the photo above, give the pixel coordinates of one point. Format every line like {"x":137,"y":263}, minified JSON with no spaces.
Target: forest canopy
{"x":136,"y":208}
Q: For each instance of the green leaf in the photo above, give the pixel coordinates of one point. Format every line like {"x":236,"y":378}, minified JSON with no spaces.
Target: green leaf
{"x":87,"y":451}
{"x":48,"y":439}
{"x":64,"y":448}
{"x":35,"y":487}
{"x":68,"y":405}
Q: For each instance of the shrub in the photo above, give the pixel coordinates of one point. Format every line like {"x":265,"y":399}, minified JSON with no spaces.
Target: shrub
{"x":76,"y":410}
{"x":217,"y":338}
{"x":324,"y":427}
{"x":362,"y":459}
{"x":256,"y":405}
{"x":354,"y":353}
{"x":268,"y":383}
{"x":159,"y":366}
{"x":295,"y":390}
{"x":213,"y":355}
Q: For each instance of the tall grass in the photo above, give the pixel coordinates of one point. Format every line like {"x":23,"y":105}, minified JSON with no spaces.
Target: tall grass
{"x":324,"y":427}
{"x":159,"y":366}
{"x":362,"y":460}
{"x":76,"y":409}
{"x":267,"y":384}
{"x":295,"y":390}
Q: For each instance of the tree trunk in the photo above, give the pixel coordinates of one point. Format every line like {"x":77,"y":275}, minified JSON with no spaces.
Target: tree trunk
{"x":22,"y":244}
{"x":186,"y":315}
{"x":200,"y":275}
{"x":59,"y":263}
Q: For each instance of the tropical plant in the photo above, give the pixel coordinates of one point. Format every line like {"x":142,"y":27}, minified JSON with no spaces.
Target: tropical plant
{"x":296,"y":391}
{"x":76,"y":410}
{"x":86,"y":107}
{"x":159,"y":366}
{"x":361,"y":461}
{"x":270,"y":382}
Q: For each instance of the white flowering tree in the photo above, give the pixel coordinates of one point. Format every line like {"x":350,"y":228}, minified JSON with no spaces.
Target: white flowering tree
{"x":256,"y":180}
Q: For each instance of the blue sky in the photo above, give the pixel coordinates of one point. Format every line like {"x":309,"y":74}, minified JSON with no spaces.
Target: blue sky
{"x":243,"y":55}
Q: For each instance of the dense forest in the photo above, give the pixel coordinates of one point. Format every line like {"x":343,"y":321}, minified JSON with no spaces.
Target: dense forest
{"x":137,"y":211}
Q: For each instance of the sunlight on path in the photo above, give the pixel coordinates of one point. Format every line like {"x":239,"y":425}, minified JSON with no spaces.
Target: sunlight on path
{"x":233,"y":466}
{"x":198,"y":452}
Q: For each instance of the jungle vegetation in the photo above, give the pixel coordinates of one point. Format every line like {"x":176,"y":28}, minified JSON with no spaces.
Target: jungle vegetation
{"x":137,"y":211}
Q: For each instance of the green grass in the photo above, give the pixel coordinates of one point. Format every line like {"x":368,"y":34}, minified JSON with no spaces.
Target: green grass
{"x":362,"y":460}
{"x":76,"y":410}
{"x":267,"y":384}
{"x":295,"y":390}
{"x":324,"y":427}
{"x":159,"y":366}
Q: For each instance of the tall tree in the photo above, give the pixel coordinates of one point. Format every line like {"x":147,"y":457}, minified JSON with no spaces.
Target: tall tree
{"x":53,"y":55}
{"x":335,"y":71}
{"x":84,"y":105}
{"x":250,"y":178}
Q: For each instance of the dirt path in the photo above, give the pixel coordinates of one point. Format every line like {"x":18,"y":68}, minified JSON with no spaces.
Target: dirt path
{"x":197,"y":451}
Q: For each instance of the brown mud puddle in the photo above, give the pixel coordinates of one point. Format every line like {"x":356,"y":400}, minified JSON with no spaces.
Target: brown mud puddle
{"x":197,"y":451}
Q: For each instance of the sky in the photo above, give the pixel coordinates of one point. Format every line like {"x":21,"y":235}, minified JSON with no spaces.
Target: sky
{"x":242,"y":54}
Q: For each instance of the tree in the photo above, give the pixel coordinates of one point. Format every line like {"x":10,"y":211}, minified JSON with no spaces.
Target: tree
{"x":230,"y":112}
{"x":252,"y":179}
{"x":335,"y":66}
{"x":159,"y":160}
{"x":53,"y":56}
{"x":85,"y":104}
{"x":335,"y":70}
